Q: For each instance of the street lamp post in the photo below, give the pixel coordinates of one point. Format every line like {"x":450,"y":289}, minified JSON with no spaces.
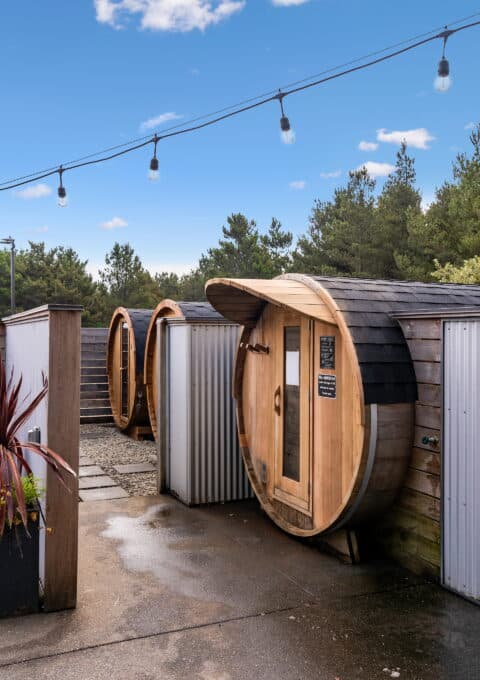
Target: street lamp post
{"x":11,"y":242}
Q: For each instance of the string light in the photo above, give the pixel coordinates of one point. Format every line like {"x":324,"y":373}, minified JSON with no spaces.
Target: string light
{"x":154,"y":174}
{"x":62,"y":200}
{"x":287,"y":133}
{"x":443,"y":82}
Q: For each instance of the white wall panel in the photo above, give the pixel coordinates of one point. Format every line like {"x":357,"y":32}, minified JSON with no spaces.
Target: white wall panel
{"x":461,"y":458}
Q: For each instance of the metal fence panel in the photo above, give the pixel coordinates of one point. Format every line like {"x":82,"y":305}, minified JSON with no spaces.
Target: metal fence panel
{"x":461,"y":458}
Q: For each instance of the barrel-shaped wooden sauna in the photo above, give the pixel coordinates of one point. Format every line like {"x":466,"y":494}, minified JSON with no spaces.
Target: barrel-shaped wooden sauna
{"x":125,"y":360}
{"x":194,"y":312}
{"x":325,"y":389}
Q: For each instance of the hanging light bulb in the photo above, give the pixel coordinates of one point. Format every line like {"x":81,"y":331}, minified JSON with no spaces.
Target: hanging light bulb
{"x":62,"y":200}
{"x":443,"y":82}
{"x":287,"y":135}
{"x":153,"y":174}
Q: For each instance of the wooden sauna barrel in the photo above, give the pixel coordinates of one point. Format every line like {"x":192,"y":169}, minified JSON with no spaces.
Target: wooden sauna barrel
{"x":125,"y":359}
{"x":194,"y":312}
{"x":325,"y":390}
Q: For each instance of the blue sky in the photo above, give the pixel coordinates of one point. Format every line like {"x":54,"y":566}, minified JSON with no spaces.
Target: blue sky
{"x":81,"y":76}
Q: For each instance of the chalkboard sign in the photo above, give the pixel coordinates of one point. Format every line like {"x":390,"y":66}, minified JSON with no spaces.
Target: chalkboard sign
{"x":327,"y":386}
{"x":327,"y":351}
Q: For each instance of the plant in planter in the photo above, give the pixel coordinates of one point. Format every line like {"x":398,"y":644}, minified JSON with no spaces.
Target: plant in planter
{"x":19,"y":499}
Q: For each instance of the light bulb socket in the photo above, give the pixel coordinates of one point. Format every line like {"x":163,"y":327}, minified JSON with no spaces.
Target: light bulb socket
{"x":443,"y":68}
{"x":154,"y":164}
{"x":62,"y":193}
{"x":284,"y":124}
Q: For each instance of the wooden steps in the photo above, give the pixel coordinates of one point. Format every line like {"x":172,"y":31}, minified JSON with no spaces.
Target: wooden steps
{"x":94,"y":397}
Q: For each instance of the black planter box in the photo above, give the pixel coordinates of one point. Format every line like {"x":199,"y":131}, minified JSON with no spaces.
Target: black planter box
{"x":19,"y":554}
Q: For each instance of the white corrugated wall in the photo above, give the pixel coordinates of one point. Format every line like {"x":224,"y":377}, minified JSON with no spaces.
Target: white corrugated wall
{"x":461,"y":457}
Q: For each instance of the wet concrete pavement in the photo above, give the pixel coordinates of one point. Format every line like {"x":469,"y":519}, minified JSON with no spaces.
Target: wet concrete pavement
{"x":220,"y":593}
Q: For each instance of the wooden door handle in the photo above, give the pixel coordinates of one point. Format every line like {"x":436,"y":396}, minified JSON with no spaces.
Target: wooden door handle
{"x":277,"y":400}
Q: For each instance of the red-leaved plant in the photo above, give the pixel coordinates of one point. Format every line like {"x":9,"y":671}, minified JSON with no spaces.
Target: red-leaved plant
{"x":13,"y":463}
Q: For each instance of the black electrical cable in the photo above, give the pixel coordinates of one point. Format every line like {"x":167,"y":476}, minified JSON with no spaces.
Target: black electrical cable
{"x":294,"y":88}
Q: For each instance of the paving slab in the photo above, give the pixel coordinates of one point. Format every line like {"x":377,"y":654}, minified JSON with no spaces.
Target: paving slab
{"x":220,"y":593}
{"x":96,"y":482}
{"x":131,"y":468}
{"x":85,"y":460}
{"x":103,"y":494}
{"x":90,"y":471}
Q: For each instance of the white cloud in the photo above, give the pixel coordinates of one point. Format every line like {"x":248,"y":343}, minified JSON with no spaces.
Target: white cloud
{"x":167,"y":15}
{"x":470,"y":126}
{"x":368,"y":146}
{"x":156,"y":121}
{"x":34,"y":191}
{"x":375,"y":169}
{"x":417,"y":138}
{"x":298,"y":184}
{"x":426,"y":202}
{"x":41,"y":230}
{"x":288,"y":3}
{"x":114,"y":223}
{"x":330,"y":175}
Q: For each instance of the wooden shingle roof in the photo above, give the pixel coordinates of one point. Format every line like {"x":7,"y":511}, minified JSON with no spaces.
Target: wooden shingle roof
{"x":368,"y":308}
{"x":140,"y":318}
{"x":199,"y":311}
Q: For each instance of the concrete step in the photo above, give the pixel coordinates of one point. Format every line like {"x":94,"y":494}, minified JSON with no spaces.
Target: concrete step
{"x":106,"y":494}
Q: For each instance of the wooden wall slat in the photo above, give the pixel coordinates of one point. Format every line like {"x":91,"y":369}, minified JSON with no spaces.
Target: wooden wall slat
{"x":421,"y":328}
{"x":425,"y":350}
{"x":429,"y":394}
{"x":424,"y":482}
{"x":420,"y":503}
{"x":428,"y":461}
{"x":428,"y":372}
{"x":427,"y":416}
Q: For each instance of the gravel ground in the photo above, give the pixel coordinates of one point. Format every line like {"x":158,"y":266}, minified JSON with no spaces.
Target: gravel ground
{"x":106,"y":446}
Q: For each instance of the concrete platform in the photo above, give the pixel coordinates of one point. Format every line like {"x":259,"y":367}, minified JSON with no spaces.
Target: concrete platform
{"x":96,"y":482}
{"x":219,"y":593}
{"x":90,"y":471}
{"x":132,"y":468}
{"x":102,"y":493}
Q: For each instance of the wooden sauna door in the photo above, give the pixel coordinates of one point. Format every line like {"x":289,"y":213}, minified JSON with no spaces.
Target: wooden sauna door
{"x":291,"y":403}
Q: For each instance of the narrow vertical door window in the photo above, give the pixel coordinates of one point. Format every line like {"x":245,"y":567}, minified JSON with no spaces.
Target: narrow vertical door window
{"x":291,"y":405}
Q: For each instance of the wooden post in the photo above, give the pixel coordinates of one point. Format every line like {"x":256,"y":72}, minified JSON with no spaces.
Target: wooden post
{"x":61,"y":544}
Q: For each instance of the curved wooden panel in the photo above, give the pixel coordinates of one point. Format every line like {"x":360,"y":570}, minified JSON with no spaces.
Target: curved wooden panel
{"x":125,"y":362}
{"x":166,"y":308}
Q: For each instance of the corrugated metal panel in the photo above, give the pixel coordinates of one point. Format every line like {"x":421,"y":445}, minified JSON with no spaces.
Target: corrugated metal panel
{"x":213,"y":467}
{"x":461,"y":458}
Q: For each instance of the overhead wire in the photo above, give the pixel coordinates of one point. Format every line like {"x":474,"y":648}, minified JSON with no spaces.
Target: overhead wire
{"x":246,"y":105}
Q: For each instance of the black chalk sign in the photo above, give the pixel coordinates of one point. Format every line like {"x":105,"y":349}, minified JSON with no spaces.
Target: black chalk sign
{"x":327,"y":351}
{"x":327,"y":386}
